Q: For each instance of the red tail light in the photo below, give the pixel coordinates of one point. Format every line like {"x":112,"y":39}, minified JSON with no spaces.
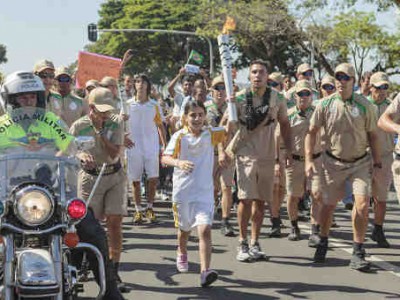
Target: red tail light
{"x":76,"y":209}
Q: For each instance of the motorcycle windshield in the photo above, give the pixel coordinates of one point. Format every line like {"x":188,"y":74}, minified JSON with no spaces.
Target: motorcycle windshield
{"x":35,"y":147}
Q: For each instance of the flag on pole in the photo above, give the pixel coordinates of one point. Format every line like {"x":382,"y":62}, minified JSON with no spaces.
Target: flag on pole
{"x":230,"y":25}
{"x":196,"y":57}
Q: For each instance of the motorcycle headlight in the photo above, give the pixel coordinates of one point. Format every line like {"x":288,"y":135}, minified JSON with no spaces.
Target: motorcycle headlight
{"x":33,"y":205}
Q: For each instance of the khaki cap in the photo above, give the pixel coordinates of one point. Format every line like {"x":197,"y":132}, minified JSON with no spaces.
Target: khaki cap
{"x":328,"y":79}
{"x":62,"y":71}
{"x":303,"y":68}
{"x":347,"y":69}
{"x":217,"y":80}
{"x":42,"y":65}
{"x":102,"y":99}
{"x":379,"y":78}
{"x":276,"y":76}
{"x":92,"y":82}
{"x":302,"y":85}
{"x":107,"y":81}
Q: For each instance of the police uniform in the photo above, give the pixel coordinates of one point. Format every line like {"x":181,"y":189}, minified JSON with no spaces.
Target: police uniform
{"x":345,"y":124}
{"x":109,"y":197}
{"x":255,"y":151}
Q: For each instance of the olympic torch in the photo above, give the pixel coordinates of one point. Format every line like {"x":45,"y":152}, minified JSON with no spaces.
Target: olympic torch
{"x":226,"y":61}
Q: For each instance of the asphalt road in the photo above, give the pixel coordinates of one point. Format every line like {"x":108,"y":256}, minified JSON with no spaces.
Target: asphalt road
{"x":148,"y":264}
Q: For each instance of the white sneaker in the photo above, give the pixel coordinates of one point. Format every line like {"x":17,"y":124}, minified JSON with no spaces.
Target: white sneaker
{"x":255,"y":251}
{"x":243,"y":254}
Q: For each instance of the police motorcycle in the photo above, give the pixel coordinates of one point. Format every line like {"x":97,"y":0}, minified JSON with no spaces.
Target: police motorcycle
{"x":38,"y":205}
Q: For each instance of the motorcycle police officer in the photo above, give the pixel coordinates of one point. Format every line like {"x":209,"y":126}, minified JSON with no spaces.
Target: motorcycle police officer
{"x":24,"y":89}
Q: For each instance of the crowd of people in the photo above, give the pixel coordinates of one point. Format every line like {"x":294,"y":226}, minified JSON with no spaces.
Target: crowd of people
{"x":292,"y":140}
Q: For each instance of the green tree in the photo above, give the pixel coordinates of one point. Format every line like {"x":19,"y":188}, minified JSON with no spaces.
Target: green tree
{"x":159,"y":54}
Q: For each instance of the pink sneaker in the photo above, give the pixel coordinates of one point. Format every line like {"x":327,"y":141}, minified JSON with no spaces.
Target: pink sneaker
{"x":208,"y":277}
{"x":182,"y":263}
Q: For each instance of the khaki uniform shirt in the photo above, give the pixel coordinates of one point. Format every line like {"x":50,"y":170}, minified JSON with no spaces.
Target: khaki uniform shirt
{"x":261,"y":143}
{"x":386,"y":139}
{"x":394,"y":109}
{"x":299,"y":124}
{"x":345,"y":124}
{"x":214,"y":114}
{"x":73,"y":107}
{"x":113,"y":132}
{"x":54,"y":104}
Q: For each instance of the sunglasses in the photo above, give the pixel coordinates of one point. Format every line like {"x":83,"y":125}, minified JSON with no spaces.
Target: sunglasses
{"x":382,"y":87}
{"x":219,"y":88}
{"x":64,"y":79}
{"x":328,"y":87}
{"x":46,"y":75}
{"x":273,"y":83}
{"x":341,"y":77}
{"x":307,"y":73}
{"x":304,"y":94}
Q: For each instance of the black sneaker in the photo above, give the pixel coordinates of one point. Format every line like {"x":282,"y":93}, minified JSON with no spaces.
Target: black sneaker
{"x":275,"y":231}
{"x":313,"y":240}
{"x":320,"y":252}
{"x":227,"y":230}
{"x":294,"y":234}
{"x":358,"y":261}
{"x":379,"y":237}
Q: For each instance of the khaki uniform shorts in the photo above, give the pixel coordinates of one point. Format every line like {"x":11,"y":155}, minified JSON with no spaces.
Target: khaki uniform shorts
{"x":382,"y":178}
{"x":255,"y":178}
{"x":297,"y":181}
{"x":336,"y":173}
{"x":110,"y":196}
{"x":223,"y":177}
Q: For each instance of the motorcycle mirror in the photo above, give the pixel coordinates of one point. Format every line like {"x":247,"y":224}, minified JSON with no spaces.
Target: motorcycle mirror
{"x":84,"y":143}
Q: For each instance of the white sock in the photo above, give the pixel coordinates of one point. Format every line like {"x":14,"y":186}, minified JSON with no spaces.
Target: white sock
{"x":138,"y":208}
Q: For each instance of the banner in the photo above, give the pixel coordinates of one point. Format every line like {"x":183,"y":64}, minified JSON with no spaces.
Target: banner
{"x":96,"y":66}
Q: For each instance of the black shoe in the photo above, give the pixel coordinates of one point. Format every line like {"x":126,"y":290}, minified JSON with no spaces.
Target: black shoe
{"x":313,"y":240}
{"x":379,"y":237}
{"x":227,"y":230}
{"x":121,"y":286}
{"x":320,"y":252}
{"x":358,"y":261}
{"x":349,"y":206}
{"x":275,"y":231}
{"x":294,"y":234}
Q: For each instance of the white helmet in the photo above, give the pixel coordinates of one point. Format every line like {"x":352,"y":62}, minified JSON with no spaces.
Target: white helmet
{"x":22,"y":82}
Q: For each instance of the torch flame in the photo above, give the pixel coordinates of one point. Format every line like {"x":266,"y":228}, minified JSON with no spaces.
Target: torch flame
{"x":229,"y":25}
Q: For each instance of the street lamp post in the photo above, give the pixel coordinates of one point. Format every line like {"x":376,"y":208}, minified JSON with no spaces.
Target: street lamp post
{"x":93,"y":30}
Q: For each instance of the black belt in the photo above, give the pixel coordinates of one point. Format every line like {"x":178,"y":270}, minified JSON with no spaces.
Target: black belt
{"x":110,"y":169}
{"x":303,"y":158}
{"x":345,"y":160}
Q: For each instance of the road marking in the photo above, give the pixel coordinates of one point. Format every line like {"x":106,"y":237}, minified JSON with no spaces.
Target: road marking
{"x":376,"y":260}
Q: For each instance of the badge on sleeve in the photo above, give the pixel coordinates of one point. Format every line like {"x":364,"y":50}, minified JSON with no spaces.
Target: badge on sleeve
{"x":355,"y":112}
{"x":73,"y":106}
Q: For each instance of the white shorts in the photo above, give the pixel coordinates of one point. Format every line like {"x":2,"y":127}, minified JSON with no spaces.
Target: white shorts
{"x":138,"y":164}
{"x":191,"y":214}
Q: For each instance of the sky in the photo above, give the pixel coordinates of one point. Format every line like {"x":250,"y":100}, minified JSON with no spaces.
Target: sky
{"x":51,"y":29}
{"x":57,"y":30}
